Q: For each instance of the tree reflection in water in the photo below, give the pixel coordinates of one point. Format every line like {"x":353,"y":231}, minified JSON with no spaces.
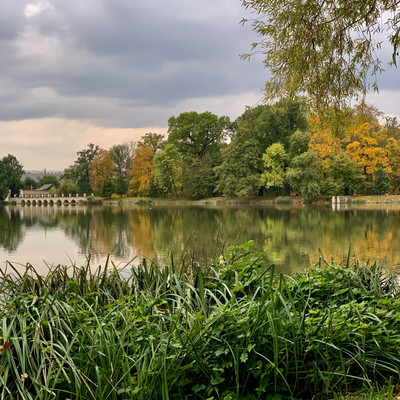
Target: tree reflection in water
{"x":290,"y":238}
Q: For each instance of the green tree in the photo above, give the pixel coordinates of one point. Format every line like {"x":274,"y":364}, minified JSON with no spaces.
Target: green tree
{"x":239,"y":174}
{"x":257,"y":129}
{"x":30,"y":183}
{"x":68,"y":186}
{"x":168,"y":171}
{"x":381,"y":182}
{"x":153,"y":140}
{"x":107,"y":188}
{"x":195,"y":134}
{"x":80,"y":170}
{"x":122,"y":154}
{"x":199,"y":180}
{"x":345,"y":177}
{"x":275,"y":159}
{"x":298,"y":144}
{"x":324,"y":48}
{"x":11,"y":172}
{"x":49,"y":179}
{"x":305,"y":175}
{"x":392,"y":126}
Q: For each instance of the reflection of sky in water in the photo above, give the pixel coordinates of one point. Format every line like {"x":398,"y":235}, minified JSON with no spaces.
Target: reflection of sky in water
{"x":44,"y":246}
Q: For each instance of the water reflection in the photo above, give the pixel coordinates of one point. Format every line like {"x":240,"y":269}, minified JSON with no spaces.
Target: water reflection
{"x":290,"y":238}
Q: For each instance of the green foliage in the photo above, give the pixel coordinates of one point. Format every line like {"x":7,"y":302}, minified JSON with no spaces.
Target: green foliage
{"x":228,"y":331}
{"x":345,"y":177}
{"x":325,"y":49}
{"x":47,"y":179}
{"x":275,"y":160}
{"x":11,"y":172}
{"x":305,"y":175}
{"x":168,"y":175}
{"x":68,"y":186}
{"x":381,"y":182}
{"x":29,"y":184}
{"x":153,"y":140}
{"x":122,"y":154}
{"x":199,"y":179}
{"x":239,"y":173}
{"x":107,"y":188}
{"x":195,"y":135}
{"x":257,"y":129}
{"x":298,"y":144}
{"x":80,"y":170}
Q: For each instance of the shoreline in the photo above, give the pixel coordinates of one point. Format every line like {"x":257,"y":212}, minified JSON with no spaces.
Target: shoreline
{"x":295,"y":201}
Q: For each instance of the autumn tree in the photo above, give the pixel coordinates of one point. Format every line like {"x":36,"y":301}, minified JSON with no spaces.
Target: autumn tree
{"x":102,"y":167}
{"x":323,"y":48}
{"x":367,"y":145}
{"x":325,"y":145}
{"x":142,"y":170}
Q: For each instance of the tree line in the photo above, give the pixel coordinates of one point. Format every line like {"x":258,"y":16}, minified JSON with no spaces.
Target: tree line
{"x":269,"y":150}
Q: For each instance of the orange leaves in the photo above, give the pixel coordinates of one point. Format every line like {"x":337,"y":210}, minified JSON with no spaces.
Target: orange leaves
{"x":5,"y":346}
{"x":101,"y":167}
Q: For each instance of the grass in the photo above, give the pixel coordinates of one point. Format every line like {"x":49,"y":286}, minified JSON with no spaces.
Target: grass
{"x":232,"y":330}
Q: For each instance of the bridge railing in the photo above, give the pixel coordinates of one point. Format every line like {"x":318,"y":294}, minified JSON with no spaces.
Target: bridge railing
{"x":44,"y":195}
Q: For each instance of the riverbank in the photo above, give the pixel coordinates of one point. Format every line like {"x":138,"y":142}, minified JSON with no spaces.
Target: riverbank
{"x":295,"y":201}
{"x":211,"y":201}
{"x":235,"y":330}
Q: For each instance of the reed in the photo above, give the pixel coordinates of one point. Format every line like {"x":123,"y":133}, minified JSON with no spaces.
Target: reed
{"x":231,"y":330}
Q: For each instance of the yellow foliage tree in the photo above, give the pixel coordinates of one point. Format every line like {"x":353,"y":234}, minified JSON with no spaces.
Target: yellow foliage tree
{"x":369,"y":147}
{"x":101,"y":168}
{"x":325,"y":145}
{"x":142,"y":171}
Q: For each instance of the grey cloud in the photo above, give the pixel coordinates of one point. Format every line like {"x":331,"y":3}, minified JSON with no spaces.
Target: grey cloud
{"x":144,"y":52}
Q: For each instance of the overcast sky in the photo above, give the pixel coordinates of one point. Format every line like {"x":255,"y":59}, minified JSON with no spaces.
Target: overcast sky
{"x":74,"y":72}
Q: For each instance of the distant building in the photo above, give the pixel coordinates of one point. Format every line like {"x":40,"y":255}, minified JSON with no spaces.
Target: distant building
{"x":39,"y":174}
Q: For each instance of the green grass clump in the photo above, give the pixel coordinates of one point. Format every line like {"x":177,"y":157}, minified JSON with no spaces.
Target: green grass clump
{"x":233,"y":330}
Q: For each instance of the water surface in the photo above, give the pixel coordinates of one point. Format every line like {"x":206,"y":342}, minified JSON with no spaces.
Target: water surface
{"x":291,"y":238}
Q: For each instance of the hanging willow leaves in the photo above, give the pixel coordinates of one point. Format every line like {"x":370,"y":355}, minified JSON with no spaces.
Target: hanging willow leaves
{"x":325,"y":49}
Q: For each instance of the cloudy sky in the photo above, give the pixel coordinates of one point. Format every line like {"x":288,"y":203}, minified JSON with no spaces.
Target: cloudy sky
{"x":107,"y":71}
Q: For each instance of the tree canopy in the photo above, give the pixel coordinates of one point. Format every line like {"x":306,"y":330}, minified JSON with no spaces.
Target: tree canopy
{"x":326,"y":49}
{"x":11,"y":172}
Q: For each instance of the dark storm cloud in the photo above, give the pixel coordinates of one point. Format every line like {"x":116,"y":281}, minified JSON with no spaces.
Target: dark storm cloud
{"x":146,"y":53}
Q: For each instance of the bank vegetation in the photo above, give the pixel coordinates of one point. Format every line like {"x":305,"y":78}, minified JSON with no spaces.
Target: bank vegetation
{"x":231,"y":330}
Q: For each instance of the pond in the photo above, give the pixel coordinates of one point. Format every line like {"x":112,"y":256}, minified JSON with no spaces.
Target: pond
{"x":291,"y":238}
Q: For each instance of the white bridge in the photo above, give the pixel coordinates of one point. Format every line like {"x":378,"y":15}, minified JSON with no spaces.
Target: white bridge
{"x":47,"y":200}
